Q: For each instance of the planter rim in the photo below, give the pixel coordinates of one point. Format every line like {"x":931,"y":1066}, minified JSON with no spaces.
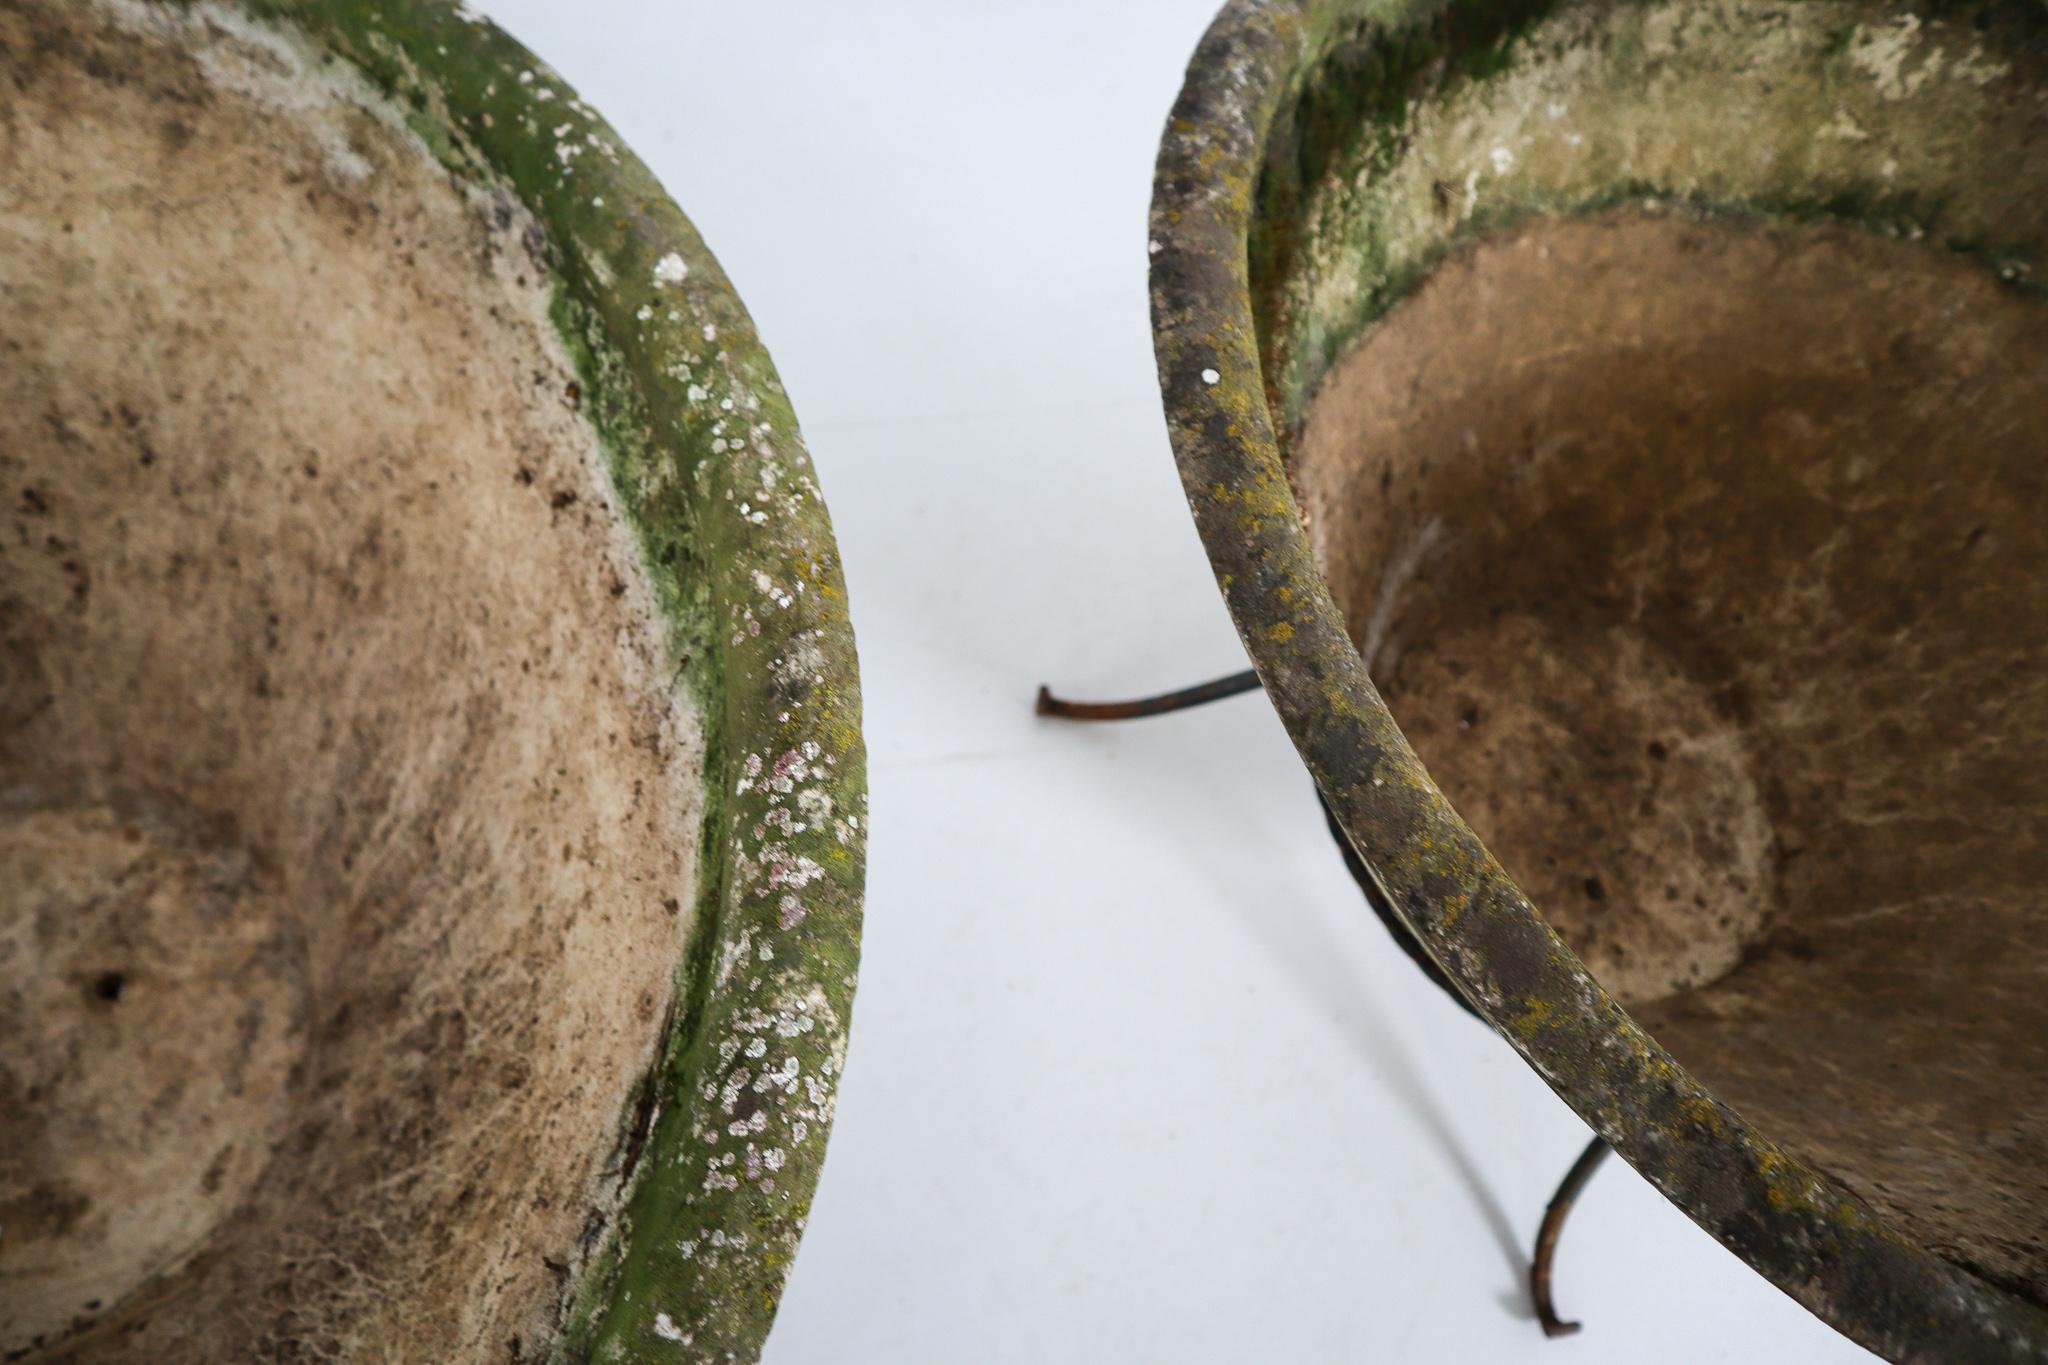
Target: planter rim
{"x":1808,"y":1236}
{"x":712,"y":476}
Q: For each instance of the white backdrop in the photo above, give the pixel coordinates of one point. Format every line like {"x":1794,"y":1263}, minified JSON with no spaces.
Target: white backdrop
{"x":1135,"y":1075}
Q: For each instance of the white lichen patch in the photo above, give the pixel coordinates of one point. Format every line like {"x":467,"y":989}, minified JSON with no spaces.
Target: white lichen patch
{"x":1884,"y":53}
{"x":767,"y":1101}
{"x":1844,"y":127}
{"x":1899,"y":59}
{"x":672,"y":269}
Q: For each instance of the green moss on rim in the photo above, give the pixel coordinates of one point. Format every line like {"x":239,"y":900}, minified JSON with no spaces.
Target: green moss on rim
{"x":721,"y":1151}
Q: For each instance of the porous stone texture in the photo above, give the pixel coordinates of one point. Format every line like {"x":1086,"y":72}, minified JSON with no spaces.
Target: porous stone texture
{"x":347,"y":817}
{"x":1704,"y":566}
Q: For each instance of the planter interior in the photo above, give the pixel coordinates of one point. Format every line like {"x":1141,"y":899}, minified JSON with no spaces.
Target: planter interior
{"x":1709,"y":577}
{"x":355,"y":735}
{"x":1660,"y":388}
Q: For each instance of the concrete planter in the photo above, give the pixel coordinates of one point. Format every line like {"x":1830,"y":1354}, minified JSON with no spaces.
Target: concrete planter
{"x":1623,"y":420}
{"x":432,"y":799}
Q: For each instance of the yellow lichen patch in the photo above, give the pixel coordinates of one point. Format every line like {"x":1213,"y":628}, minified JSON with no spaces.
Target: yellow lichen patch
{"x":1703,"y":1113}
{"x":1533,"y":1019}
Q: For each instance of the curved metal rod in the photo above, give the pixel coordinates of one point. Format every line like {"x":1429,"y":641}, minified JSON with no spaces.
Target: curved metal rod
{"x":1248,"y":681}
{"x":1376,"y":897}
{"x":1553,"y":1224}
{"x":1049,"y":705}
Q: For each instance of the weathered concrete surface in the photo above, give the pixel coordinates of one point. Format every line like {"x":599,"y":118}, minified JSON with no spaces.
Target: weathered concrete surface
{"x":1323,"y":159}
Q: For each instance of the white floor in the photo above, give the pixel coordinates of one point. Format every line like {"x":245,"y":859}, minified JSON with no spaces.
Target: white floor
{"x":1135,"y":1075}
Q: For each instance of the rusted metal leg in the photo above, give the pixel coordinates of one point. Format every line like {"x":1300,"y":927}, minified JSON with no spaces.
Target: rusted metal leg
{"x":1049,"y":705}
{"x":1248,"y":681}
{"x":1553,"y":1225}
{"x":1393,"y":923}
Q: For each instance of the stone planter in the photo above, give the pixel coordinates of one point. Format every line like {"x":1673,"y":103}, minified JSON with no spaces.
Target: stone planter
{"x":431,"y":783}
{"x":1623,"y":421}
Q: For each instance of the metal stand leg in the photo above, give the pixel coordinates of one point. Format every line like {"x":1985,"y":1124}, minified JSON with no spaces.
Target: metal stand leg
{"x":1049,"y":705}
{"x":1553,"y":1224}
